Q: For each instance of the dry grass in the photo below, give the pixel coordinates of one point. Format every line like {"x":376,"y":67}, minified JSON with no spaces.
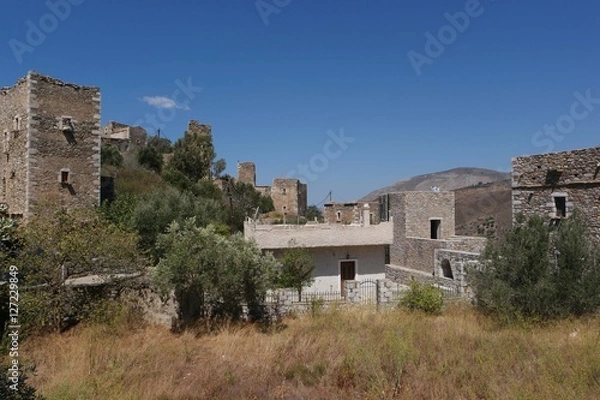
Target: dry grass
{"x":355,"y":353}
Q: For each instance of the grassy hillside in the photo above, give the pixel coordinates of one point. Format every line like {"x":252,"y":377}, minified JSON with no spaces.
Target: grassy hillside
{"x":357,"y":353}
{"x":484,"y":210}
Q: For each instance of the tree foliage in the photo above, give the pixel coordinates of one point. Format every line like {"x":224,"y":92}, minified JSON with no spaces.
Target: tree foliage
{"x":193,"y":156}
{"x":64,"y":245}
{"x":244,"y":200}
{"x":297,"y":269}
{"x":151,"y":158}
{"x":426,"y":298}
{"x":110,"y":155}
{"x":155,"y":211}
{"x":313,"y":212}
{"x":213,"y":275}
{"x":539,"y":271}
{"x":161,"y":144}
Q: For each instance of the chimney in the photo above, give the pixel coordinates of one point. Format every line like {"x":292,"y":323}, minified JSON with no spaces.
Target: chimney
{"x":366,"y":215}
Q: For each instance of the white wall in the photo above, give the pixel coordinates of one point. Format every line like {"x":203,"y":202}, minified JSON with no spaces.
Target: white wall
{"x":370,"y":264}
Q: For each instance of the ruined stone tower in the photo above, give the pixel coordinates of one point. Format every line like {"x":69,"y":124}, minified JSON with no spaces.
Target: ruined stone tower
{"x":51,"y":145}
{"x":289,"y":195}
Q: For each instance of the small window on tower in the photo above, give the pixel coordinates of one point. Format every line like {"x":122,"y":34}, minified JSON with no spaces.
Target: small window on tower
{"x":560,"y":204}
{"x":65,"y":177}
{"x":436,"y":228}
{"x":66,"y":124}
{"x":17,"y":123}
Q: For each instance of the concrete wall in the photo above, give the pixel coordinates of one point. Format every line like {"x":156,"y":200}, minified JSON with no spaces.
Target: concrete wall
{"x":370,"y":264}
{"x":538,"y":179}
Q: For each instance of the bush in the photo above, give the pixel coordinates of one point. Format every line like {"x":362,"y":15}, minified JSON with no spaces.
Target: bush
{"x":426,"y":298}
{"x":213,"y":275}
{"x":539,"y":272}
{"x":21,"y":391}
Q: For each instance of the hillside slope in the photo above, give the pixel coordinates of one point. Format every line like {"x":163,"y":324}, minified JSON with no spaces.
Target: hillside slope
{"x":446,"y":180}
{"x":484,"y":210}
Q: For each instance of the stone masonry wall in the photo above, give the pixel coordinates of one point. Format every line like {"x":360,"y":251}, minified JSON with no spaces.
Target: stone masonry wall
{"x":246,"y":173}
{"x":538,"y":179}
{"x":54,"y":150}
{"x":200,"y":129}
{"x":349,"y":212}
{"x":418,"y":253}
{"x":14,"y":104}
{"x":288,"y":196}
{"x":406,"y":275}
{"x":397,"y":207}
{"x":460,"y":264}
{"x":421,"y":207}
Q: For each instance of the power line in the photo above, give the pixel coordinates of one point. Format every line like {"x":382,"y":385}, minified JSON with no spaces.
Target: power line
{"x":325,"y":199}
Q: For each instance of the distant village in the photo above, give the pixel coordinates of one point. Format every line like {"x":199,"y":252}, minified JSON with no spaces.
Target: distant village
{"x":52,"y":139}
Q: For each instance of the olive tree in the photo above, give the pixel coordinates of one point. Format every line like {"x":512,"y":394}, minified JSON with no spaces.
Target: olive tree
{"x":540,"y":271}
{"x":68,"y":244}
{"x":213,"y":275}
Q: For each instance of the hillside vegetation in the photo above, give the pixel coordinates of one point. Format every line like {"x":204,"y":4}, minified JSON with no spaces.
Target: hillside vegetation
{"x":357,"y":354}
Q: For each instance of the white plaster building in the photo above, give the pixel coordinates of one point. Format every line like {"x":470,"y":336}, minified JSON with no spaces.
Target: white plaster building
{"x":341,"y":252}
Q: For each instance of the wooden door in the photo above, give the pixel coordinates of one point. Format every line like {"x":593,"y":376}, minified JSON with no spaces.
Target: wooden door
{"x":347,"y":272}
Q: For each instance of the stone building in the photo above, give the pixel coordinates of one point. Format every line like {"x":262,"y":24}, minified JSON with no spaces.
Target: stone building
{"x":554,"y":184}
{"x":350,"y":213}
{"x":51,"y":145}
{"x":195,"y":127}
{"x":290,"y":196}
{"x":127,"y":139}
{"x":425,"y":245}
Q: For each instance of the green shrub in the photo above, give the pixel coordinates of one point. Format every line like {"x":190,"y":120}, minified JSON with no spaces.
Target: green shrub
{"x":539,"y":272}
{"x":20,"y":390}
{"x":426,"y":298}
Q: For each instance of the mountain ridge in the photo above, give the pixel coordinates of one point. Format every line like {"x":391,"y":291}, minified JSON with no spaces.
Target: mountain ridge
{"x":452,"y":179}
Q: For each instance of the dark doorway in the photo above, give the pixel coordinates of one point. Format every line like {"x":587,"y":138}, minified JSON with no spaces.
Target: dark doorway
{"x":347,"y":272}
{"x":561,"y":206}
{"x":436,"y":228}
{"x":447,"y":269}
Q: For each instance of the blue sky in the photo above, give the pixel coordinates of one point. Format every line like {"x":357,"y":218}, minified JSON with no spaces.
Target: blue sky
{"x":326,"y":91}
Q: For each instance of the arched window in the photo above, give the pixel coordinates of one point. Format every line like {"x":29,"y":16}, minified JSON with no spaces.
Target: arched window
{"x":447,"y":269}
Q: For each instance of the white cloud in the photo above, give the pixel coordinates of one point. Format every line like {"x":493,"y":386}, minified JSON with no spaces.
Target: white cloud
{"x":163,"y":102}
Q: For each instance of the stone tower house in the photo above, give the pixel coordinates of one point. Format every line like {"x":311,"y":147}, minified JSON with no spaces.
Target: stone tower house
{"x":553,"y":185}
{"x":290,"y":196}
{"x":50,"y":145}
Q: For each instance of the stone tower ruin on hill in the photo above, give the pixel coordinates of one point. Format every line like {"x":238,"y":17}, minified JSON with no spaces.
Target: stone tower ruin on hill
{"x":289,"y":195}
{"x":50,"y":144}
